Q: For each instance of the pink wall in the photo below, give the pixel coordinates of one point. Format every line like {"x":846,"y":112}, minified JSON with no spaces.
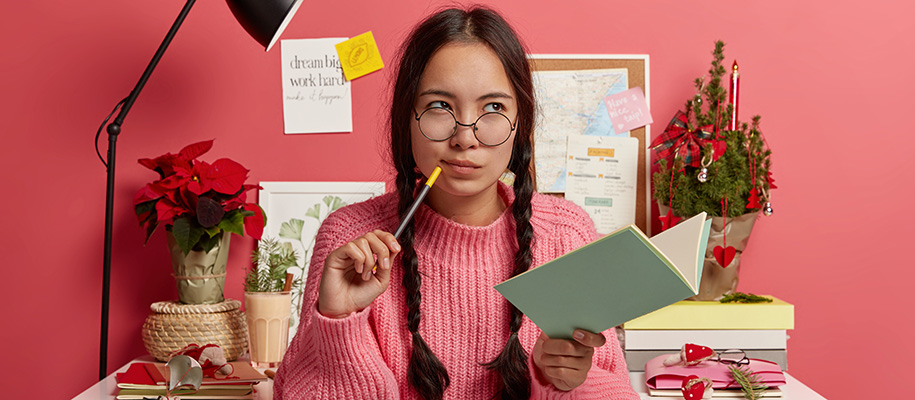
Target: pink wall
{"x":830,"y":79}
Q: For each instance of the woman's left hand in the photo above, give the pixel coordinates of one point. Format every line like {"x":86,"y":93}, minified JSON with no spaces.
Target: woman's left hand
{"x":565,"y":363}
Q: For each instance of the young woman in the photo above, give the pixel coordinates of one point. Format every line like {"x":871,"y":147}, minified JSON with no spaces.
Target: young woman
{"x":418,"y":318}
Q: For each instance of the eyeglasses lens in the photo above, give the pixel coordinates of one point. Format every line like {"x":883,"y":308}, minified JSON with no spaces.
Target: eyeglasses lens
{"x":491,"y":129}
{"x":733,"y":357}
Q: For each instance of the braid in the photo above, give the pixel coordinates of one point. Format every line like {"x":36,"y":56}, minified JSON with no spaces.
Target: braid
{"x":511,"y":363}
{"x":426,"y":373}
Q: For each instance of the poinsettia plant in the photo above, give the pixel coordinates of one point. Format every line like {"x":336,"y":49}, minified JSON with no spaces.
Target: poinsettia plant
{"x":197,"y":201}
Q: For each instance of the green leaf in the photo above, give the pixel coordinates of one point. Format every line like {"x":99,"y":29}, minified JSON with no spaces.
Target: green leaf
{"x":289,"y":262}
{"x":208,"y":243}
{"x":292,"y":229}
{"x":233,"y":222}
{"x":212,"y":231}
{"x":338,"y":202}
{"x":145,"y":207}
{"x":314,"y":212}
{"x":186,"y":235}
{"x":328,"y":199}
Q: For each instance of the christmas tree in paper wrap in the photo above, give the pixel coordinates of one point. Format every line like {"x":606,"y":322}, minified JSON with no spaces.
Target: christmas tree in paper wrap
{"x":706,"y":163}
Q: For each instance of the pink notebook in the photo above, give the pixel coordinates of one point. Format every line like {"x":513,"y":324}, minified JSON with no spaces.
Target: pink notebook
{"x":658,"y":376}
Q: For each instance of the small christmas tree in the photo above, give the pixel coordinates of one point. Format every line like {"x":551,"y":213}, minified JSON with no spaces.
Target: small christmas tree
{"x":704,"y":166}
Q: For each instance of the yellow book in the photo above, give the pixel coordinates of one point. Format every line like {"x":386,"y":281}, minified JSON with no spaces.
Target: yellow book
{"x":714,"y":315}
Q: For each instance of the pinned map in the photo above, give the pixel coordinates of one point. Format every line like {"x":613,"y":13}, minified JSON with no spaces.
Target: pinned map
{"x":571,"y":103}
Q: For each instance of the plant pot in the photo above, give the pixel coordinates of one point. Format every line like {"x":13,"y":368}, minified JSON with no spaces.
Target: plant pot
{"x":718,"y":281}
{"x":267,"y":314}
{"x":200,"y":276}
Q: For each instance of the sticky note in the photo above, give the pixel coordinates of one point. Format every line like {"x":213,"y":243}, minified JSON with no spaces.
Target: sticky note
{"x":359,"y":56}
{"x":628,"y":110}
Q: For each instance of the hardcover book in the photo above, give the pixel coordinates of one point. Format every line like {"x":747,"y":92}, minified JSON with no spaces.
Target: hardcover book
{"x":714,"y":315}
{"x":612,"y":280}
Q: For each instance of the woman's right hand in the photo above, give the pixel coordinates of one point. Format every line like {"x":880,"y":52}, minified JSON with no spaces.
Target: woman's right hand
{"x":350,"y":281}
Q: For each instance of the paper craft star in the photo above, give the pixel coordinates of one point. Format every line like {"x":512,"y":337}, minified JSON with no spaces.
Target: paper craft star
{"x":669,"y":220}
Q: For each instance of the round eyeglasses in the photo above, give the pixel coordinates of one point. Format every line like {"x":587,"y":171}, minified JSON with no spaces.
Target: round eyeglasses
{"x":439,"y":124}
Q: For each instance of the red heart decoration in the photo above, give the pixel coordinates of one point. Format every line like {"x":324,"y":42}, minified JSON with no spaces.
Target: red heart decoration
{"x":724,"y":255}
{"x":694,"y":391}
{"x":695,"y":353}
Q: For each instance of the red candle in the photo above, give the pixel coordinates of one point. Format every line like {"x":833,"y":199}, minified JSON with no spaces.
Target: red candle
{"x":735,"y":86}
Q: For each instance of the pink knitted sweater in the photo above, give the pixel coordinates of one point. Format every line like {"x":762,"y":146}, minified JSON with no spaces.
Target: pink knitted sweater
{"x":464,"y":319}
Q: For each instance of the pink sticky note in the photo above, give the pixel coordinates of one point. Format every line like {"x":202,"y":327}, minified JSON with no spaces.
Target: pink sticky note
{"x":628,"y":110}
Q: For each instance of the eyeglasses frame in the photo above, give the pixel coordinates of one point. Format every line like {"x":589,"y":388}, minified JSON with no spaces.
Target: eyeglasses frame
{"x":743,"y":361}
{"x":417,"y":117}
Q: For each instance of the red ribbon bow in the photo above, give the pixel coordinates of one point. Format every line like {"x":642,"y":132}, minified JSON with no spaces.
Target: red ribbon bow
{"x":679,"y":140}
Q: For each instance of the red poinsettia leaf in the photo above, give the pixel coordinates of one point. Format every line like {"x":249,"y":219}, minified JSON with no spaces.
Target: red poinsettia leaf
{"x":148,"y":163}
{"x":166,"y":211}
{"x":165,"y":165}
{"x":187,"y":199}
{"x":254,"y":225}
{"x":227,"y":176}
{"x":235,"y":202}
{"x":199,"y":182}
{"x":145,"y":194}
{"x":209,"y":212}
{"x":170,"y":183}
{"x":195,"y":150}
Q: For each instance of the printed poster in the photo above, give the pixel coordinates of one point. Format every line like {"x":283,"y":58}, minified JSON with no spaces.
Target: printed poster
{"x":316,"y":95}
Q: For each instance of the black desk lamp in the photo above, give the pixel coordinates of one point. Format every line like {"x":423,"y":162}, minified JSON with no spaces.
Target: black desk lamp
{"x":264,"y":20}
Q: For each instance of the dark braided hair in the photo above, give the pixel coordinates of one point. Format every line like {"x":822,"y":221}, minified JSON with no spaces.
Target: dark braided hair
{"x":426,"y":372}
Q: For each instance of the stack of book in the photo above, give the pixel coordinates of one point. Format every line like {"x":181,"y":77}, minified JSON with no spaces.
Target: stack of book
{"x":147,"y":380}
{"x":759,"y":329}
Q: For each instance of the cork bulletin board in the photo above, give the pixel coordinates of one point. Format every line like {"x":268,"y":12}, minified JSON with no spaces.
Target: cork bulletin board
{"x":638,"y":74}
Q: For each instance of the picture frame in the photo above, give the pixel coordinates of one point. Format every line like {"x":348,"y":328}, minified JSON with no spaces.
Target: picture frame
{"x":295,"y":211}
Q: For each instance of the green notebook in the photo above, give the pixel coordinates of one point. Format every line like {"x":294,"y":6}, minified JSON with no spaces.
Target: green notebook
{"x":612,"y":280}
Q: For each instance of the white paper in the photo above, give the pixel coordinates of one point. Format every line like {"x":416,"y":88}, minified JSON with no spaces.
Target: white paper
{"x":571,"y":103}
{"x":316,"y":95}
{"x":601,"y":178}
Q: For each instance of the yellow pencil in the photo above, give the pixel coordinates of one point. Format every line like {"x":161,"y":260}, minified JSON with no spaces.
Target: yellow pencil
{"x":418,"y":201}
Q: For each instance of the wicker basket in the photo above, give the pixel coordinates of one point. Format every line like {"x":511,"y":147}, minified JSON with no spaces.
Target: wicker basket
{"x":172,"y":326}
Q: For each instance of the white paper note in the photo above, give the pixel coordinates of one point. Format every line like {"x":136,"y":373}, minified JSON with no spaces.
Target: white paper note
{"x":602,"y":174}
{"x":316,"y":95}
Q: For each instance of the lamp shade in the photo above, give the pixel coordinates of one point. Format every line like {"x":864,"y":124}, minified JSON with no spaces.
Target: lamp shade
{"x":264,"y":20}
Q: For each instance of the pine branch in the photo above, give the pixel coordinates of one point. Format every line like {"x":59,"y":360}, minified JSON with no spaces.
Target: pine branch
{"x":739,"y":297}
{"x":749,"y":382}
{"x":271,"y":259}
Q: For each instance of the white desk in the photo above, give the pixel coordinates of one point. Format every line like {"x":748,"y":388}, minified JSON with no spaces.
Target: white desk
{"x":107,"y":388}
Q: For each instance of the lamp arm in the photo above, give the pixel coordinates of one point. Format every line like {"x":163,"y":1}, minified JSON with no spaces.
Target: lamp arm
{"x":113,"y":130}
{"x":116,"y":125}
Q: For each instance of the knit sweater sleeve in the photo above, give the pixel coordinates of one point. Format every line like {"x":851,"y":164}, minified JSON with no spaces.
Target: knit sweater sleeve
{"x":334,"y":358}
{"x":608,"y":377}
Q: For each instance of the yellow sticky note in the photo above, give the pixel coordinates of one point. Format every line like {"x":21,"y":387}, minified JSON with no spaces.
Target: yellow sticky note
{"x":359,"y":56}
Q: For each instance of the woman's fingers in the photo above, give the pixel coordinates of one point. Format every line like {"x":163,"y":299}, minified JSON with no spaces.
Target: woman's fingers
{"x":589,"y":339}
